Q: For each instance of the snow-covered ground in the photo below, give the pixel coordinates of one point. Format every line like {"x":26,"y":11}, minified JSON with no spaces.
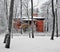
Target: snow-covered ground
{"x":26,"y":44}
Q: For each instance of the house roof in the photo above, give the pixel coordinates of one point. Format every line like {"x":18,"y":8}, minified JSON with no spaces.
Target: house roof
{"x":33,"y":17}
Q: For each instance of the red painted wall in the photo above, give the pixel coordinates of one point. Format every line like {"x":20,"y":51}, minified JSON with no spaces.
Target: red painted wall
{"x":40,"y":26}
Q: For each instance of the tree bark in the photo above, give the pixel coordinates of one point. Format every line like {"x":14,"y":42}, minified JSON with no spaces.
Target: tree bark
{"x":56,"y":19}
{"x":47,"y":18}
{"x":28,"y":21}
{"x":16,"y":12}
{"x":52,"y":36}
{"x":10,"y":25}
{"x":21,"y":13}
{"x":6,"y":10}
{"x":32,"y":18}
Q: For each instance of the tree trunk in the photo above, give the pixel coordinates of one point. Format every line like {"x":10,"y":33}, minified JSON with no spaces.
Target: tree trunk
{"x":6,"y":9}
{"x":52,"y":37}
{"x":32,"y":18}
{"x":21,"y":13}
{"x":16,"y":12}
{"x":10,"y":25}
{"x":28,"y":21}
{"x":56,"y":19}
{"x":47,"y":18}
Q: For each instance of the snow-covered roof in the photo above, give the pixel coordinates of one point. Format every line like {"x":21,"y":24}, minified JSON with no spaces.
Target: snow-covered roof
{"x":38,"y":17}
{"x":28,"y":19}
{"x":33,"y":17}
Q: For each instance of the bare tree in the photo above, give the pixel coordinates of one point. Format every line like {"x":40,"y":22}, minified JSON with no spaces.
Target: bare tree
{"x":52,"y":36}
{"x":26,"y":6}
{"x":6,"y":10}
{"x":21,"y":13}
{"x":56,"y":19}
{"x":16,"y":11}
{"x":28,"y":21}
{"x":47,"y":18}
{"x":10,"y":25}
{"x":32,"y":18}
{"x":16,"y":8}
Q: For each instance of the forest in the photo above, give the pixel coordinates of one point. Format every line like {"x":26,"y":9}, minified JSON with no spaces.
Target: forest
{"x":21,"y":16}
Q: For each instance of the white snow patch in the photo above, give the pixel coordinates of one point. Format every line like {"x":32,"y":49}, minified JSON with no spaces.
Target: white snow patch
{"x":26,"y":44}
